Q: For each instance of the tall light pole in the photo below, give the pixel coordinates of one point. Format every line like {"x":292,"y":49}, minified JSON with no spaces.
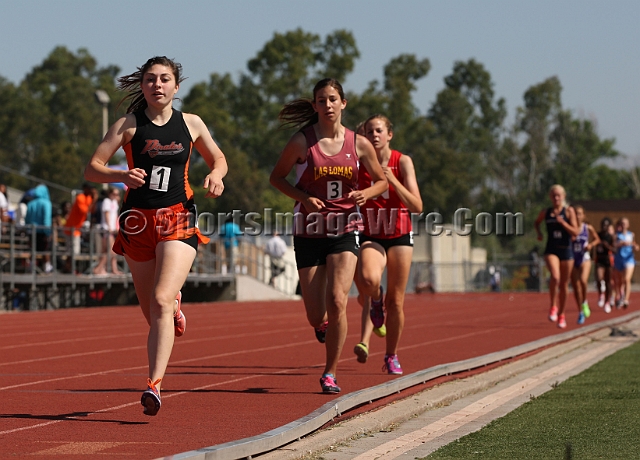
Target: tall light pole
{"x":103,"y":98}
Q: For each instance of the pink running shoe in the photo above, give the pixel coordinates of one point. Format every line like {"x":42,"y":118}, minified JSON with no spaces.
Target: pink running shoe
{"x":321,"y":332}
{"x":151,"y":398}
{"x":329,"y":384}
{"x":179,"y":320}
{"x":376,"y":312}
{"x":562,"y":322}
{"x":553,"y":314}
{"x":391,"y":365}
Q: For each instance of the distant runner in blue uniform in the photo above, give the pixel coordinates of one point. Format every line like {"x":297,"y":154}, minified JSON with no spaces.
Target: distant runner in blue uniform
{"x":623,"y":261}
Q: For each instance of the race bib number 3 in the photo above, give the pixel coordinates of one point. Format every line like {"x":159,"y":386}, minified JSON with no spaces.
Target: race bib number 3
{"x":160,"y":178}
{"x":334,"y":190}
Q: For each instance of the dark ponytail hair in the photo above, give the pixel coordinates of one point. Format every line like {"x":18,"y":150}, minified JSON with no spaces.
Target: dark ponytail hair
{"x":300,"y":112}
{"x":131,"y":83}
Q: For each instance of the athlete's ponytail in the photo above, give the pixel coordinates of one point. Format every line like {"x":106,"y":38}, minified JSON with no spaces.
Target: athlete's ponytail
{"x":300,"y":113}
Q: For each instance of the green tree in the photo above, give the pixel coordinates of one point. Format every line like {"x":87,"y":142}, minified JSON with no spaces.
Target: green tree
{"x":59,"y":94}
{"x":578,"y":148}
{"x":518,"y":167}
{"x":467,"y":122}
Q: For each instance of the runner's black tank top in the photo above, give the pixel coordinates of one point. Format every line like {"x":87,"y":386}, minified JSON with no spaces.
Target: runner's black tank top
{"x":164,"y":153}
{"x":557,"y":236}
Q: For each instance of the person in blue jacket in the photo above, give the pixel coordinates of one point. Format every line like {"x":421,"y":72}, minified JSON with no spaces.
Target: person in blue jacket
{"x":39,"y":214}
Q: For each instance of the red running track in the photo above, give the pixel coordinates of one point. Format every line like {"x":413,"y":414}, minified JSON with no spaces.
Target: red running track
{"x":71,"y":380}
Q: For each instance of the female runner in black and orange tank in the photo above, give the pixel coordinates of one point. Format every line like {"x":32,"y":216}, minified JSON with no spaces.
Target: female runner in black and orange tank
{"x":158,"y":236}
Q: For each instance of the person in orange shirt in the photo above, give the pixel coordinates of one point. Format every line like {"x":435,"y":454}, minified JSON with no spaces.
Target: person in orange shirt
{"x":81,"y":207}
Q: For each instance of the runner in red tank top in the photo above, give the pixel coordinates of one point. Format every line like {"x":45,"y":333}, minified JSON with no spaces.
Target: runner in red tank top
{"x":386,"y":241}
{"x":158,"y":193}
{"x":325,"y":155}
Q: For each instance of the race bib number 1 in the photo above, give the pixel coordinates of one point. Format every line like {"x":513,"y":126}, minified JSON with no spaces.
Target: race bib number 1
{"x":334,"y":190}
{"x":160,"y":178}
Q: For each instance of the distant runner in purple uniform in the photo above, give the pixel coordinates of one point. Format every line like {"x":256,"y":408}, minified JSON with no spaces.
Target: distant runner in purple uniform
{"x":582,"y":244}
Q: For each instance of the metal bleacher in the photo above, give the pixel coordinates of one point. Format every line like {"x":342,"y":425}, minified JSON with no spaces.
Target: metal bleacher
{"x":28,"y":284}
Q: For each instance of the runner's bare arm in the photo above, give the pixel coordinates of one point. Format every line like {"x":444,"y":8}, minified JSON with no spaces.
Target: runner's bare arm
{"x":294,"y":153}
{"x":118,"y":135}
{"x":211,"y":154}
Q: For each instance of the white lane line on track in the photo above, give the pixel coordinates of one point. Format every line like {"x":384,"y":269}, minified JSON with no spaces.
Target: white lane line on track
{"x":145,"y":366}
{"x":74,"y":340}
{"x":137,"y":347}
{"x":248,"y":377}
{"x":409,"y":441}
{"x":164,"y":397}
{"x":76,"y":355}
{"x":255,"y":319}
{"x":201,"y":358}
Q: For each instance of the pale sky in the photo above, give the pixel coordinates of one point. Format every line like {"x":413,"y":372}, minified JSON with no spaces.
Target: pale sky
{"x":592,"y":46}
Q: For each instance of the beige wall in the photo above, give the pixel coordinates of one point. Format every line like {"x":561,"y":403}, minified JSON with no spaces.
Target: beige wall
{"x":452,"y":257}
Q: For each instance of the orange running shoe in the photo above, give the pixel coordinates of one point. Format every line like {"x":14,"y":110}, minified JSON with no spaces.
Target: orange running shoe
{"x":151,"y":398}
{"x":179,"y":320}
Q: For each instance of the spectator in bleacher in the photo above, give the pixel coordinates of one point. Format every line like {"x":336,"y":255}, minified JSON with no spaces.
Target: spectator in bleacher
{"x":21,"y":210}
{"x":109,"y":228}
{"x":276,"y":248}
{"x":4,"y":204}
{"x":65,"y":209}
{"x":39,"y":214}
{"x":82,"y":206}
{"x":231,"y":244}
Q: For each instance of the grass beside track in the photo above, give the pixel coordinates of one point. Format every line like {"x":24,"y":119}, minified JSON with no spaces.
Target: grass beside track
{"x":595,"y":414}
